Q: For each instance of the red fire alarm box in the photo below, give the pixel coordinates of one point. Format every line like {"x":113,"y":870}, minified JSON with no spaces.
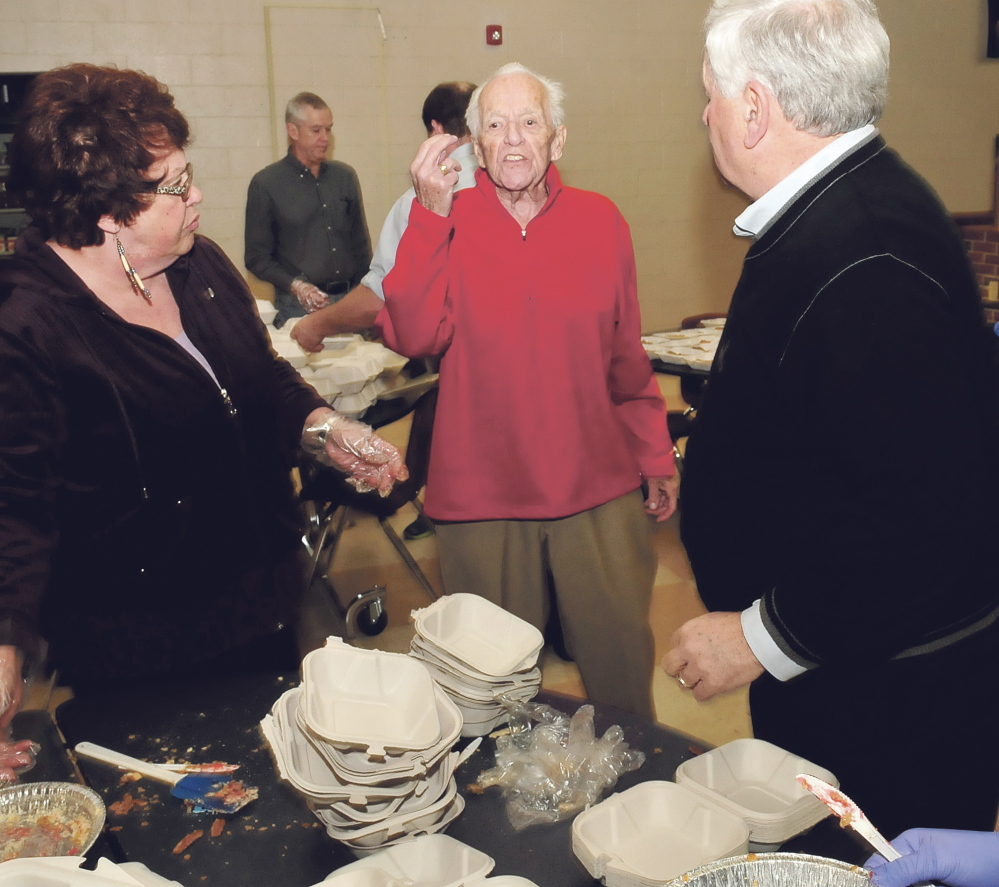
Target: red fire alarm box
{"x":494,"y":35}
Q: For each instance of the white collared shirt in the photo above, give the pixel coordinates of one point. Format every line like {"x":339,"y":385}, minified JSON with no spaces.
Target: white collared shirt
{"x":752,"y":222}
{"x":757,"y":216}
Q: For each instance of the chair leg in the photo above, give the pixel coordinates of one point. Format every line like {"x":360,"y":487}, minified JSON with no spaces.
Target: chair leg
{"x":320,"y":553}
{"x":414,"y":567}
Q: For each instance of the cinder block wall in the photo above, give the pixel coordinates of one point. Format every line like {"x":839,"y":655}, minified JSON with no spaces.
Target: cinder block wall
{"x":631,"y":68}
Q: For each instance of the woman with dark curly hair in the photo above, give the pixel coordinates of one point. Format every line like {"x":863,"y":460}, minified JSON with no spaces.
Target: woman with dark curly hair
{"x":147,"y":523}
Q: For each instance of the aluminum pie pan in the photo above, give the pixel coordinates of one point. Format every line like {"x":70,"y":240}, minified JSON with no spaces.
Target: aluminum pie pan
{"x":79,"y":814}
{"x":774,"y":870}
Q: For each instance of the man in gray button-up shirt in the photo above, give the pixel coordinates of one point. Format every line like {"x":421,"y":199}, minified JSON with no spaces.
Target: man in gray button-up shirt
{"x":305,"y":228}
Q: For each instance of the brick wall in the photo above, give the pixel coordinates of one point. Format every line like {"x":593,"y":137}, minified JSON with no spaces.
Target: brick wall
{"x":982,"y":241}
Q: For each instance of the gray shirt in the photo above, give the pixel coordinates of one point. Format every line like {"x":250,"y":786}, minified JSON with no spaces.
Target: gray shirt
{"x":300,"y":225}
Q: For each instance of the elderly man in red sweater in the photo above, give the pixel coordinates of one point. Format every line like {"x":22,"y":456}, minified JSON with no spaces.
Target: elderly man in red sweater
{"x":550,"y":421}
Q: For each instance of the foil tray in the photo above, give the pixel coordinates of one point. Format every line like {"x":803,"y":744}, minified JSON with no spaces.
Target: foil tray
{"x":775,"y":870}
{"x":64,"y":801}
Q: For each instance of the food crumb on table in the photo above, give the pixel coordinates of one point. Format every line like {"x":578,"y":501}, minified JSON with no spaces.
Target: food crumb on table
{"x":187,"y":841}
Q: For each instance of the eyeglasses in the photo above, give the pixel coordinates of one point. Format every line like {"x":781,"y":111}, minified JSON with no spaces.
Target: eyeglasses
{"x":182,"y":184}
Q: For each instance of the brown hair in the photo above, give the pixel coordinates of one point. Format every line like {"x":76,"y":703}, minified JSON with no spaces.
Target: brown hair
{"x":85,"y":137}
{"x":447,"y":104}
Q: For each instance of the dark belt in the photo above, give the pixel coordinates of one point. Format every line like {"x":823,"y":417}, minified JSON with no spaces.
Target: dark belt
{"x":336,"y":288}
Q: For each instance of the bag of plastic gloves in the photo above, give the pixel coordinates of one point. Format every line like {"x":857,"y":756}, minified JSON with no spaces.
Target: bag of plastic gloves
{"x":551,"y":766}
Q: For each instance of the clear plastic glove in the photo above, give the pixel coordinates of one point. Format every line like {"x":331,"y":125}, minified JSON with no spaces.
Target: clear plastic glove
{"x":15,"y":758}
{"x":309,"y":296}
{"x":11,"y":685}
{"x":550,"y":771}
{"x":958,"y":858}
{"x":369,"y":462}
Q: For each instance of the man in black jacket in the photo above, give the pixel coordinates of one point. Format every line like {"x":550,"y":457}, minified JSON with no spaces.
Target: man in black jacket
{"x":838,"y":535}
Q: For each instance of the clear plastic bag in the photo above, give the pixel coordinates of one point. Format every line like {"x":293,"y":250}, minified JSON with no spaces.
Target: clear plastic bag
{"x":551,"y":766}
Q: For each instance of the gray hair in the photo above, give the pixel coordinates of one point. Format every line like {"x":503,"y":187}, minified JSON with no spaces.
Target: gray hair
{"x":554,"y":98}
{"x":294,"y":111}
{"x":825,"y":61}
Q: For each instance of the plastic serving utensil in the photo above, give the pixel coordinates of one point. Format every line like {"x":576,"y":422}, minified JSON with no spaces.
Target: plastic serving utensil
{"x":849,"y":814}
{"x":205,"y":790}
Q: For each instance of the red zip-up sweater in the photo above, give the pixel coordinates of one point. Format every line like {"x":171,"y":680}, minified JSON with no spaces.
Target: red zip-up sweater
{"x":548,"y":405}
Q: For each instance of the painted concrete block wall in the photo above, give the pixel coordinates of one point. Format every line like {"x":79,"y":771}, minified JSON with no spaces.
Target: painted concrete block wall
{"x":631,"y":70}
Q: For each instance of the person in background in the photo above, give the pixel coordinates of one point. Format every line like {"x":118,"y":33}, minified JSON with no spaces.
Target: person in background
{"x":443,"y":112}
{"x":845,"y":556}
{"x":948,"y":856}
{"x":148,"y":527}
{"x":549,"y":418}
{"x":305,"y":228}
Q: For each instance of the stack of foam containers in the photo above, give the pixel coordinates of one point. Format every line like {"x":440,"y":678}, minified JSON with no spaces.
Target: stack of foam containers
{"x":478,"y":653}
{"x":358,"y":371}
{"x":367,"y":739}
{"x":427,"y":861}
{"x":756,"y":781}
{"x":349,"y":373}
{"x":695,"y":348}
{"x":653,"y":832}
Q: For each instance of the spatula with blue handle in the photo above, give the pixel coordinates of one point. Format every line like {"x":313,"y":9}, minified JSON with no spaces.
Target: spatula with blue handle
{"x":205,"y":790}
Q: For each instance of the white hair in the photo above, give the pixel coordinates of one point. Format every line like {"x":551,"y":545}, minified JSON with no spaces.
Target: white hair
{"x":554,"y":98}
{"x":825,"y":61}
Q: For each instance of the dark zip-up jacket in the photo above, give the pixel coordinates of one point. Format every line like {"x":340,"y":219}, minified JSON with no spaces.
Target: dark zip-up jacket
{"x":842,"y":464}
{"x":142,"y":510}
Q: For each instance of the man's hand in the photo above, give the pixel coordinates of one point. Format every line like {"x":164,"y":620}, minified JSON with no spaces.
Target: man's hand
{"x":309,"y":333}
{"x":309,"y":296}
{"x":435,"y":174}
{"x":709,"y":655}
{"x":661,"y":501}
{"x":356,"y":311}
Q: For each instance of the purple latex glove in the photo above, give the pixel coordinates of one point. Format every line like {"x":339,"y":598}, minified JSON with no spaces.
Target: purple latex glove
{"x":958,"y":858}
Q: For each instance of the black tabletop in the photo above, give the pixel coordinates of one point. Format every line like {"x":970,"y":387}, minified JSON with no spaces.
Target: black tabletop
{"x":679,"y":369}
{"x":276,"y":840}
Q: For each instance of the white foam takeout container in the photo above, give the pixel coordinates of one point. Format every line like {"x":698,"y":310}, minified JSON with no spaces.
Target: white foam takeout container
{"x":65,"y":871}
{"x":374,"y":834}
{"x":478,"y":632}
{"x":654,"y":831}
{"x":369,"y":699}
{"x":301,"y":764}
{"x":756,"y":781}
{"x":266,"y":310}
{"x":427,"y":861}
{"x":354,"y":765}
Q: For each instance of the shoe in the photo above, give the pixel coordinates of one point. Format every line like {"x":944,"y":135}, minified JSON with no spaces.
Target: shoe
{"x":421,"y":528}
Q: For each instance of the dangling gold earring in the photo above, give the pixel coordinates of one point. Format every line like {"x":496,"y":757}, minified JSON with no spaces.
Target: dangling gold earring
{"x":133,"y":275}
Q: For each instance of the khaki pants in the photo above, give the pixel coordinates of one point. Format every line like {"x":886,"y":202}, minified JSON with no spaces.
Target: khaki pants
{"x":601,"y":565}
